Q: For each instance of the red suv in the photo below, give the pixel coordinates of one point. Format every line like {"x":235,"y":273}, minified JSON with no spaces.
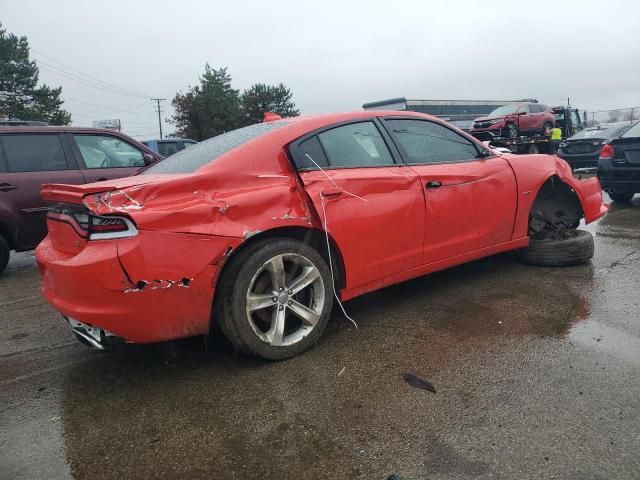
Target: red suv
{"x":31,"y":156}
{"x":513,"y":120}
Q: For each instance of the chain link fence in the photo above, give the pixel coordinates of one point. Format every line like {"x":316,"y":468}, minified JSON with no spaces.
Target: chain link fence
{"x":620,"y":116}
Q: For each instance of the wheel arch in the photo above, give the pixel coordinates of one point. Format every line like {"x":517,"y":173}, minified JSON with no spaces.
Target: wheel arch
{"x":557,"y":203}
{"x":311,"y":236}
{"x":6,"y":234}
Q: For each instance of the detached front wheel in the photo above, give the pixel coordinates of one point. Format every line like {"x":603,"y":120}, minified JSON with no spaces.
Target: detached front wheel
{"x":568,"y":247}
{"x":276,"y":299}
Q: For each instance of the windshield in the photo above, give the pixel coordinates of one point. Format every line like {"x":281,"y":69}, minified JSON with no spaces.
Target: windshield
{"x":505,"y":109}
{"x":632,"y":132}
{"x":192,"y":158}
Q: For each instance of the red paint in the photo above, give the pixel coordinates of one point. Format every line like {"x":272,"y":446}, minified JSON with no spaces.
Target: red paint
{"x":388,"y":227}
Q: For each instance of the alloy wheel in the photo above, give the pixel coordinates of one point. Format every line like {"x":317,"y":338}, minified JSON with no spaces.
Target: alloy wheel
{"x":285,"y":299}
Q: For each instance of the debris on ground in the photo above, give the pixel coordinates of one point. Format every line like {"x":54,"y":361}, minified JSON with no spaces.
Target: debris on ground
{"x":418,"y":382}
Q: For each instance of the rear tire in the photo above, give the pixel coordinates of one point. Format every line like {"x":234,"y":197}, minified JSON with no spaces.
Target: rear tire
{"x":575,"y":247}
{"x":255,"y":310}
{"x":5,"y":251}
{"x":621,"y":197}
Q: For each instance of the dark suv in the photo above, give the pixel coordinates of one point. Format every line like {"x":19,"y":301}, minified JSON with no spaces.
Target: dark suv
{"x":31,"y":156}
{"x":619,"y":165}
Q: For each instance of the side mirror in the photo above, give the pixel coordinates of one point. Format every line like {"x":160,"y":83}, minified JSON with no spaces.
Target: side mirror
{"x":148,"y":159}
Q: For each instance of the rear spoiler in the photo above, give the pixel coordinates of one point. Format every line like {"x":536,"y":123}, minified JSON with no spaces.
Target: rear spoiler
{"x":59,"y":192}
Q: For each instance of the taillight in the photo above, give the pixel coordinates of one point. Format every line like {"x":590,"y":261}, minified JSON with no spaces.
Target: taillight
{"x":606,"y":151}
{"x":90,"y":226}
{"x":110,"y":227}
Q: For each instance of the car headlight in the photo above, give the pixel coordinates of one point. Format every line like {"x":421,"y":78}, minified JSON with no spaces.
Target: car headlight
{"x":495,"y":120}
{"x":562,"y":144}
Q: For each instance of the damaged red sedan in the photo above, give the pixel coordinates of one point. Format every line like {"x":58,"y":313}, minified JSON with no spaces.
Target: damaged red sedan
{"x":261,"y":230}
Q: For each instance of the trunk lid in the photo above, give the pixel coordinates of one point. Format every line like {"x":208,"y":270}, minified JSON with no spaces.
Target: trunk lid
{"x":63,"y":193}
{"x":626,"y":151}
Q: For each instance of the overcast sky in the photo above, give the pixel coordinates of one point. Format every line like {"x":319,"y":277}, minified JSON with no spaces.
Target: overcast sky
{"x":334,"y":55}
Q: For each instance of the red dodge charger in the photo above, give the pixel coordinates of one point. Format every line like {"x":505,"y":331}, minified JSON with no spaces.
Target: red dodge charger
{"x":264,"y":229}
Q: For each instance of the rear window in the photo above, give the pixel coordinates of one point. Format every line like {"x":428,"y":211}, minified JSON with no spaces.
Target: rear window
{"x":192,"y":158}
{"x":632,"y":132}
{"x":595,"y":133}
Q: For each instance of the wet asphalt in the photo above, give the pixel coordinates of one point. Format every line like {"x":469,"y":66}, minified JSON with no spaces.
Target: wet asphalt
{"x":536,"y":373}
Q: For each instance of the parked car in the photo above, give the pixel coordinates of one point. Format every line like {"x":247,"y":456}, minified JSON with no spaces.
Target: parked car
{"x":619,"y":165}
{"x":169,"y":146}
{"x":261,"y":229}
{"x":582,"y":150}
{"x":515,"y":119}
{"x":31,"y":156}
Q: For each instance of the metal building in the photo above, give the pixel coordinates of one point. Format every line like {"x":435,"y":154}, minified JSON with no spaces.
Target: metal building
{"x":457,"y":112}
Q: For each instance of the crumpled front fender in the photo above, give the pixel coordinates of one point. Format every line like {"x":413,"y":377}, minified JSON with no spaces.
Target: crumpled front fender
{"x":588,"y":190}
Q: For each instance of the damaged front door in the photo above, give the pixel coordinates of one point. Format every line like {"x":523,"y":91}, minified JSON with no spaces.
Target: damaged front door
{"x":372,"y":206}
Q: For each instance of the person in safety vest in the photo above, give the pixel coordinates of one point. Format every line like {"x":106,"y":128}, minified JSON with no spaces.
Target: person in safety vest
{"x":556,"y":136}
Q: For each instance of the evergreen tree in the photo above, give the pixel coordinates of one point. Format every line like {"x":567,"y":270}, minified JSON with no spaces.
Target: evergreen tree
{"x":20,"y":96}
{"x":260,"y":98}
{"x":207,"y":109}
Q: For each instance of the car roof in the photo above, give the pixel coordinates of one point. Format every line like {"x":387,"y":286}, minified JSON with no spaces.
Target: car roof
{"x":67,"y":129}
{"x":49,"y":129}
{"x":166,"y":140}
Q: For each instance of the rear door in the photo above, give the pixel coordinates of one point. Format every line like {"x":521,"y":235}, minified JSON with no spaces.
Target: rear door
{"x":26,"y":162}
{"x":470,"y":199}
{"x":373,"y":207}
{"x":527,"y":118}
{"x":103,"y":157}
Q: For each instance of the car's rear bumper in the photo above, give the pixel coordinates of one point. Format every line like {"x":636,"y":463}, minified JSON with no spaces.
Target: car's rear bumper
{"x":618,"y":178}
{"x":149,"y":288}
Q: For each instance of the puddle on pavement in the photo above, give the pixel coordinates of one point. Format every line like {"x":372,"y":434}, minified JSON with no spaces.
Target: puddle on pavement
{"x":329,"y":410}
{"x":343,"y":410}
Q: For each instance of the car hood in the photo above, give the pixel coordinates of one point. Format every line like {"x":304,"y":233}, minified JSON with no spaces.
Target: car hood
{"x":489,"y":117}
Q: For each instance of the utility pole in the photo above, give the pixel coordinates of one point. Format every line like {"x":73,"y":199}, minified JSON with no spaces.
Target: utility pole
{"x":158,"y":100}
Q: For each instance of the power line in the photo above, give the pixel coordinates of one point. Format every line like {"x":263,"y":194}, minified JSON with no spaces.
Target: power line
{"x":95,"y":79}
{"x":158,"y":100}
{"x":62,"y":73}
{"x":58,"y":71}
{"x":105,"y":108}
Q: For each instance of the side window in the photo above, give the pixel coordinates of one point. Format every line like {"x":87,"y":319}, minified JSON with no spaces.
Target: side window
{"x":102,"y":151}
{"x":187,"y":144}
{"x":426,"y":142}
{"x":311,"y":148}
{"x":536,"y":108}
{"x":33,"y":153}
{"x":575,"y":118}
{"x":525,"y":108}
{"x":167,"y":148}
{"x":355,"y":145}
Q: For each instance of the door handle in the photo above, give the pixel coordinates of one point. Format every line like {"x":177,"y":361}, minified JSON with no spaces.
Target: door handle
{"x":332,"y":192}
{"x":433,"y":184}
{"x":5,"y":187}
